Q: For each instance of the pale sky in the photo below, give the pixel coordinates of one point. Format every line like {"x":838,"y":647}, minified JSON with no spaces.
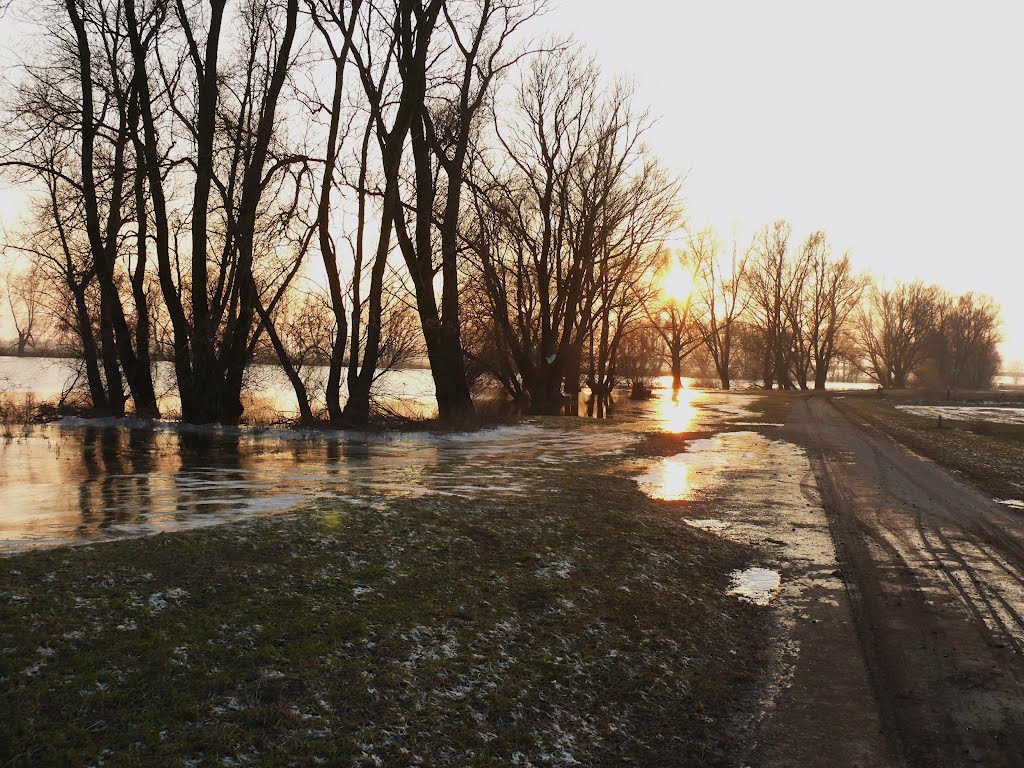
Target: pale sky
{"x":898,"y":127}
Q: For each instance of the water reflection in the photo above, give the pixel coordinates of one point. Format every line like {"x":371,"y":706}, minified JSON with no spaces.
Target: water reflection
{"x":669,"y":479}
{"x":679,"y":413}
{"x":78,"y":481}
{"x":703,"y":464}
{"x":756,"y":585}
{"x":61,"y":484}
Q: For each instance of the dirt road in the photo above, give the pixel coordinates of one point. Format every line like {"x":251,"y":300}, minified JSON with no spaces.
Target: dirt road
{"x":934,"y":571}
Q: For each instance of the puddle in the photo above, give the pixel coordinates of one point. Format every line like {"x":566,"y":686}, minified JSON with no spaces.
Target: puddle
{"x":679,"y":477}
{"x":756,"y":585}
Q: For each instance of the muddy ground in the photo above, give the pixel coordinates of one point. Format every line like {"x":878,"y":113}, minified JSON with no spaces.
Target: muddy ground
{"x":899,"y":634}
{"x":934,"y":573}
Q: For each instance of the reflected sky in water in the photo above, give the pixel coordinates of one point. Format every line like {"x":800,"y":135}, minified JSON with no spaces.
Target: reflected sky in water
{"x":83,"y":482}
{"x":683,"y":476}
{"x":678,"y":413}
{"x":60,"y":484}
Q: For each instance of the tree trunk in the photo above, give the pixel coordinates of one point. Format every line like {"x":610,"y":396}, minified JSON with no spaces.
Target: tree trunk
{"x":454,"y":402}
{"x":90,"y":358}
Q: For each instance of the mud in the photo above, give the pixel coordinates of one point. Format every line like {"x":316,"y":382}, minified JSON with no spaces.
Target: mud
{"x":935,"y":573}
{"x":759,"y":488}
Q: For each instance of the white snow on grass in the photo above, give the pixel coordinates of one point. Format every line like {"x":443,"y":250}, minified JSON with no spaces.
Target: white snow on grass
{"x":992,"y":413}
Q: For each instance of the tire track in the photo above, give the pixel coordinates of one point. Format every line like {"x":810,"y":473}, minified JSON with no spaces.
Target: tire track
{"x":946,"y":673}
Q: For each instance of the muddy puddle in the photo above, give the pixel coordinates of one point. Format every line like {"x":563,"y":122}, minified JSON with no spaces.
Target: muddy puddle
{"x":756,"y":585}
{"x":758,"y":490}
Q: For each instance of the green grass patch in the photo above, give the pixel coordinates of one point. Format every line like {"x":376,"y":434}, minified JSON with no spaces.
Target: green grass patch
{"x":581,"y":622}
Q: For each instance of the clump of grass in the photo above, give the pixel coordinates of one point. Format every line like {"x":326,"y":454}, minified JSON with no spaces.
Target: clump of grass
{"x":17,"y":411}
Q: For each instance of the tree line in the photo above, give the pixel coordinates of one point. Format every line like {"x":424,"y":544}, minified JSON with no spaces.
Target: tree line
{"x":791,"y":315}
{"x":357,"y":183}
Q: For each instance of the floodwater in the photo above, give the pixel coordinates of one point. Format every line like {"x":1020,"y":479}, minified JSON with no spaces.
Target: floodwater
{"x":991,"y":413}
{"x":72,"y":482}
{"x":84,"y":480}
{"x":409,"y":391}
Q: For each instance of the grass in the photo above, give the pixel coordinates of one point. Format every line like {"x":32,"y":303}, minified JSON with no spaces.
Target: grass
{"x":990,"y":454}
{"x":585,"y":623}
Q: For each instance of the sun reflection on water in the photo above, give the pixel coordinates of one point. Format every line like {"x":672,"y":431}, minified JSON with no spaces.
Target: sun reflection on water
{"x":669,"y":479}
{"x":679,"y":413}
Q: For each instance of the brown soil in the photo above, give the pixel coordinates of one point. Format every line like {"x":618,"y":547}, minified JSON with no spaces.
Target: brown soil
{"x":934,"y":575}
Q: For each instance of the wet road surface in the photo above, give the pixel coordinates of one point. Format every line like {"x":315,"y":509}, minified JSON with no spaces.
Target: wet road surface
{"x":934,"y":572}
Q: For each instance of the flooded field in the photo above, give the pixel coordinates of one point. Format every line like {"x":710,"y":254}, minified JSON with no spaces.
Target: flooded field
{"x":267,"y":391}
{"x":86,"y":480}
{"x":992,"y":413}
{"x":74,"y":482}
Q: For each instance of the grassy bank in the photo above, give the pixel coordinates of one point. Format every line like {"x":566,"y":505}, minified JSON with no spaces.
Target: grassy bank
{"x":583,"y":623}
{"x":991,"y":455}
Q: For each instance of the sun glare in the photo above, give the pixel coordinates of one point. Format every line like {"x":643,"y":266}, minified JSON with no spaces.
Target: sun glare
{"x":677,"y":283}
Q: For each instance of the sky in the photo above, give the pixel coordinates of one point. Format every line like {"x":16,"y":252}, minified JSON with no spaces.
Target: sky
{"x":898,"y":127}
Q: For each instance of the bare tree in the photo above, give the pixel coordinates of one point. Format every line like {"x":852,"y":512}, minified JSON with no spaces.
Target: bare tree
{"x":24,"y":290}
{"x":640,"y":358}
{"x":966,"y":344}
{"x":104,"y":227}
{"x":229,"y":116}
{"x":830,"y":294}
{"x":673,"y":316}
{"x":770,"y":284}
{"x":471,"y":42}
{"x":570,"y":212}
{"x":894,"y":327}
{"x":720,"y":300}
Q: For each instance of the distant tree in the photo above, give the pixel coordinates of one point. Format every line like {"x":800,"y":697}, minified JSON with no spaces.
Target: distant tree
{"x":831,"y":294}
{"x":25,"y":290}
{"x":894,"y":327}
{"x":967,"y":336}
{"x":772,"y":285}
{"x":1016,"y":371}
{"x":672,"y":316}
{"x":641,"y":357}
{"x":720,"y":301}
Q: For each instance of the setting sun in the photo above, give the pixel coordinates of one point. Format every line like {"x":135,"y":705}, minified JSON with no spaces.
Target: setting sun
{"x":677,"y":283}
